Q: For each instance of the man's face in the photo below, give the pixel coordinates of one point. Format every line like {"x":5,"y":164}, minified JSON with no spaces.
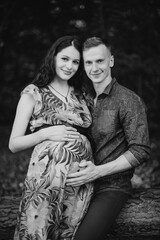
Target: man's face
{"x":97,"y":63}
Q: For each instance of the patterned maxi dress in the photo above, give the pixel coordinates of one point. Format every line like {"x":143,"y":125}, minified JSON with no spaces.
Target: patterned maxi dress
{"x":49,"y":209}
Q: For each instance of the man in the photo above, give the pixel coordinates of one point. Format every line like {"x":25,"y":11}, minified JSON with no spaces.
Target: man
{"x":120,"y":133}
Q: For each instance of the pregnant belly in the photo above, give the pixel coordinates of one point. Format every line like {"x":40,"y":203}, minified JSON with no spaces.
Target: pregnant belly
{"x":59,"y":155}
{"x":79,"y":148}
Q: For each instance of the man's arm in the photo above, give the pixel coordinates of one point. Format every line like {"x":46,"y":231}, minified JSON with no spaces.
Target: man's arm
{"x":89,"y":171}
{"x":134,"y":121}
{"x":133,"y":118}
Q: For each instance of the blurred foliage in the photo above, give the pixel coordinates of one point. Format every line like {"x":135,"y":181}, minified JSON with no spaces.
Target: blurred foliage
{"x":29,"y":27}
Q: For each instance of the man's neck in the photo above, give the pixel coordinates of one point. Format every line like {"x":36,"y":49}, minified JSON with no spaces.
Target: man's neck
{"x":100,"y":87}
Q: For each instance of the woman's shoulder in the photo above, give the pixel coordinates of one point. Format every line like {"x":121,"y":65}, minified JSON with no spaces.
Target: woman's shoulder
{"x":30,"y":89}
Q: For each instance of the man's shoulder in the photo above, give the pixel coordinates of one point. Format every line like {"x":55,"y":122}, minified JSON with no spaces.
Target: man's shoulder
{"x":127,"y":98}
{"x":123,"y":91}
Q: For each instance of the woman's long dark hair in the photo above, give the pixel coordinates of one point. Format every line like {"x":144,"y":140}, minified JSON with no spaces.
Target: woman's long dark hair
{"x":47,"y":73}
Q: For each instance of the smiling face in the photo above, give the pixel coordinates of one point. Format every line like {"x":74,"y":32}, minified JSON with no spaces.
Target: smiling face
{"x":97,"y":63}
{"x":67,"y":62}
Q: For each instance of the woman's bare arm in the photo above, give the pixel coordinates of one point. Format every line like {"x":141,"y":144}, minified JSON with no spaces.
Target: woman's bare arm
{"x":19,"y":141}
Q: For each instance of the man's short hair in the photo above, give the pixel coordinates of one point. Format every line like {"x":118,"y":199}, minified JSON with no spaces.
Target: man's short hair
{"x":94,"y":42}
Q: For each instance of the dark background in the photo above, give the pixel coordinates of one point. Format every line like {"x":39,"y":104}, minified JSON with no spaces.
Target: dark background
{"x":27,"y":30}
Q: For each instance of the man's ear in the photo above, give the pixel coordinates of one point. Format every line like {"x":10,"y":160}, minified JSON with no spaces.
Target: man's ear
{"x":111,"y":64}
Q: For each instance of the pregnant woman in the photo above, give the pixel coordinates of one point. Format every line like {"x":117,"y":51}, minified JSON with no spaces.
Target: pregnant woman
{"x":56,"y":111}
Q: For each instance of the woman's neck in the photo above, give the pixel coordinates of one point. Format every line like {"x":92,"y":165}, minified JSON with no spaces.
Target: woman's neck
{"x":61,"y":89}
{"x":60,"y":84}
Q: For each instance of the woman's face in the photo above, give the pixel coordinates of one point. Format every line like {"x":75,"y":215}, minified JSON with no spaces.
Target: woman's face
{"x":67,"y":62}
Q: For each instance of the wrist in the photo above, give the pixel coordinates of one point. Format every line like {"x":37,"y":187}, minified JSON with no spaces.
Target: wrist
{"x":99,"y":171}
{"x":41,"y":135}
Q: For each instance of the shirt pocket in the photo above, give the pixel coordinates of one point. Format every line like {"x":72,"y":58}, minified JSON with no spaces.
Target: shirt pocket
{"x":107,"y":121}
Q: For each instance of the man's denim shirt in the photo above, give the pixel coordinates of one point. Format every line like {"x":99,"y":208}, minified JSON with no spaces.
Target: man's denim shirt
{"x":119,"y":127}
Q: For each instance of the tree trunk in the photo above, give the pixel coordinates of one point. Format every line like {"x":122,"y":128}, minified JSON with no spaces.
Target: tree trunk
{"x":139,"y":219}
{"x":8,"y":212}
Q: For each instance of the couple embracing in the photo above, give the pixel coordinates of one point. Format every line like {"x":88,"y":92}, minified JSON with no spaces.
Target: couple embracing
{"x":88,"y":133}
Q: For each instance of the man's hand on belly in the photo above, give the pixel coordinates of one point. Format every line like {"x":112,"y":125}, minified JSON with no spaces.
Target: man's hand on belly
{"x":88,"y":172}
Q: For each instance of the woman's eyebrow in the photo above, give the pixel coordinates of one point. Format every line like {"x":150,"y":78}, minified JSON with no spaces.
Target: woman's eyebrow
{"x":65,"y":56}
{"x":69,"y":57}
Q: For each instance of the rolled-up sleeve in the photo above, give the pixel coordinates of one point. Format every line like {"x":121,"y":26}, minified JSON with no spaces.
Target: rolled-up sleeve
{"x":135,"y":125}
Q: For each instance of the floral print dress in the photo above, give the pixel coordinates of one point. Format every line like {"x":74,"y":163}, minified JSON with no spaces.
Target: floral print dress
{"x":50,"y":210}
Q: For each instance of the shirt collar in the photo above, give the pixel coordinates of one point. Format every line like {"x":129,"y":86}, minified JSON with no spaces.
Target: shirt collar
{"x":109,"y":87}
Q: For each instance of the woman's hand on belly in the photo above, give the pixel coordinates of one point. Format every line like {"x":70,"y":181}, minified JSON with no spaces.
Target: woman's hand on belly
{"x":59,"y":133}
